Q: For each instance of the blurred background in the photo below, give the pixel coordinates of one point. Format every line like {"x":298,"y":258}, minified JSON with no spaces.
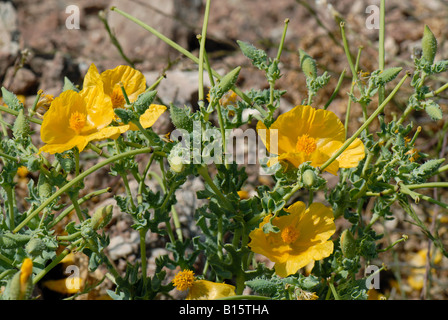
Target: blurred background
{"x":41,"y":42}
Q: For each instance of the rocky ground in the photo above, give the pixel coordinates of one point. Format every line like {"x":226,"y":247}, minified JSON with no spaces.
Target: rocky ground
{"x":37,"y":51}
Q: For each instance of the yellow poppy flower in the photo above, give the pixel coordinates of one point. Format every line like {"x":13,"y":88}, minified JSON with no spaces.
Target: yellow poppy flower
{"x":418,"y":262}
{"x":303,"y":237}
{"x":201,"y":289}
{"x":134,"y":84}
{"x":75,"y":119}
{"x":308,"y":134}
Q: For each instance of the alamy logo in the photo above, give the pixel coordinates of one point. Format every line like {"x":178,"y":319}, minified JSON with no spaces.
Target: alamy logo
{"x":72,"y":21}
{"x":373,"y":20}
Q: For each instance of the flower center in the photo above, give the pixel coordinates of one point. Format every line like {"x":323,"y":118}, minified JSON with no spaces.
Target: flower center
{"x":183,"y":280}
{"x":117,"y":98}
{"x":77,"y":121}
{"x":289,"y":234}
{"x":306,"y":144}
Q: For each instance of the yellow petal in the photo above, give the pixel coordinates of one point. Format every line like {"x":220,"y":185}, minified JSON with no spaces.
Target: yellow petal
{"x":134,"y":81}
{"x":151,"y":115}
{"x":76,"y":141}
{"x":207,"y":290}
{"x":64,"y":286}
{"x":92,"y":78}
{"x":99,"y":107}
{"x":55,"y":126}
{"x":352,"y":155}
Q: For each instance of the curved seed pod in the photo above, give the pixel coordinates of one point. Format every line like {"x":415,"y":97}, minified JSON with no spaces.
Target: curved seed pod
{"x":429,"y":45}
{"x":101,"y":217}
{"x":389,"y":75}
{"x":227,"y":82}
{"x":307,"y":64}
{"x":348,"y":244}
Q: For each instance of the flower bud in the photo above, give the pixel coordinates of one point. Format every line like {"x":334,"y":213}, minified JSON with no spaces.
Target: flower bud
{"x":307,"y":64}
{"x":348,"y":244}
{"x":429,"y":45}
{"x":101,"y":217}
{"x":21,"y":128}
{"x":433,"y":110}
{"x":20,"y":286}
{"x":176,"y":163}
{"x":309,"y":177}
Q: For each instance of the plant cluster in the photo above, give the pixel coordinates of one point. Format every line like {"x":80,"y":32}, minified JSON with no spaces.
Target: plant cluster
{"x":111,"y":118}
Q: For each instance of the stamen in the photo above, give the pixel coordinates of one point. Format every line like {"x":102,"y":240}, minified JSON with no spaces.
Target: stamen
{"x":77,"y":121}
{"x":289,"y":234}
{"x":117,"y":98}
{"x":306,"y":144}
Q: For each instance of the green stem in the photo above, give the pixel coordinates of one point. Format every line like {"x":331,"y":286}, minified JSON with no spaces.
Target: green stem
{"x":77,"y":179}
{"x":282,"y":40}
{"x":352,"y":88}
{"x":333,"y":289}
{"x":347,"y":52}
{"x":187,"y":54}
{"x":437,"y":92}
{"x":365,"y":125}
{"x":381,"y":51}
{"x":75,"y":205}
{"x":7,"y":260}
{"x":176,"y":221}
{"x":142,"y":233}
{"x":16,"y":113}
{"x":70,"y":208}
{"x":336,"y":90}
{"x":10,"y":197}
{"x":201,"y":54}
{"x":204,"y":173}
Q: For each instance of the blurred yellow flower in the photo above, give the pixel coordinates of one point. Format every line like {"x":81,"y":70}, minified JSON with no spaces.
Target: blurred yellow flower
{"x":418,"y":262}
{"x":308,"y":134}
{"x":75,"y":119}
{"x":303,"y":237}
{"x":201,"y":289}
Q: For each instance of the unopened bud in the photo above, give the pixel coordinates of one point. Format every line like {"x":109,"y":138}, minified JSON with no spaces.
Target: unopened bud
{"x":348,"y":244}
{"x":429,"y":45}
{"x":309,"y":178}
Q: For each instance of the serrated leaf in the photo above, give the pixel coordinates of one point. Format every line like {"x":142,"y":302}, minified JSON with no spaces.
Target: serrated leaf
{"x":11,"y":100}
{"x":258,"y":57}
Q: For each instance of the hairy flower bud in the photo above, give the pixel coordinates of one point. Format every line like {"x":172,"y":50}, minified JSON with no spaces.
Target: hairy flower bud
{"x":348,"y":244}
{"x":307,"y":64}
{"x":429,"y":45}
{"x":21,"y":128}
